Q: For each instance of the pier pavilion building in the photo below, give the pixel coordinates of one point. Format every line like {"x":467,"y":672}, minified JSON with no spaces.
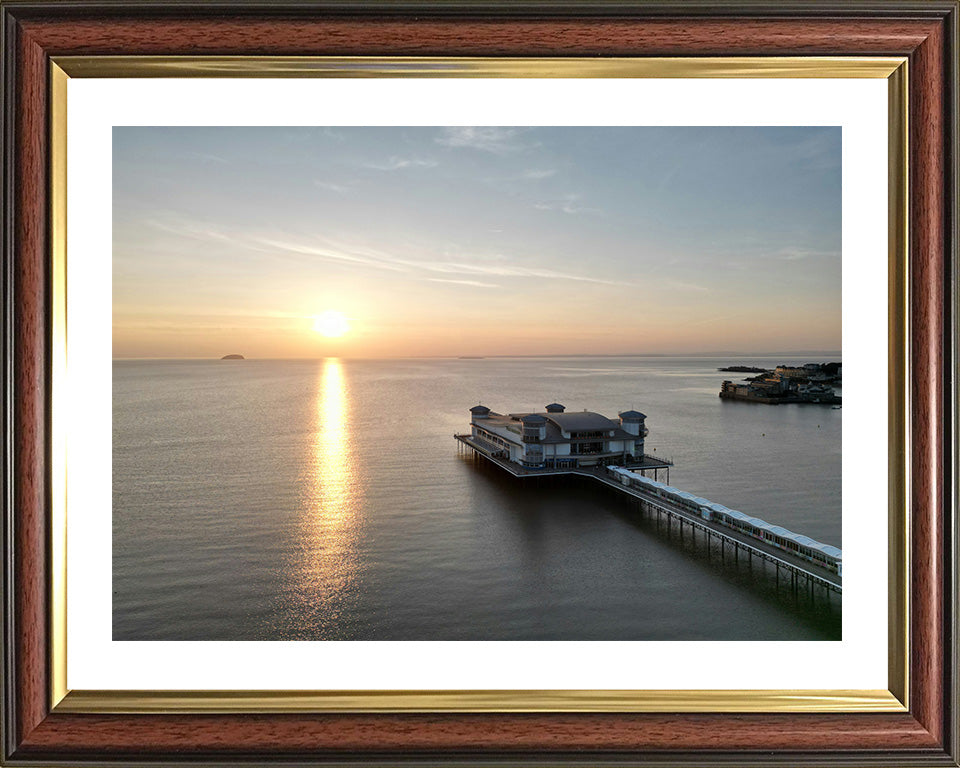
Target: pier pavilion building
{"x":555,"y":439}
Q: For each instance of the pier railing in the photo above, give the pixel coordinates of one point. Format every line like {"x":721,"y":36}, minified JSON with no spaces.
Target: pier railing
{"x":781,"y":560}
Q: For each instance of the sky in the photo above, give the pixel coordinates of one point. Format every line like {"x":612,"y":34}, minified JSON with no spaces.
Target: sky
{"x":453,"y":241}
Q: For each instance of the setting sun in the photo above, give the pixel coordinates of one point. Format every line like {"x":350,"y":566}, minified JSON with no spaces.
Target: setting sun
{"x":331,"y":323}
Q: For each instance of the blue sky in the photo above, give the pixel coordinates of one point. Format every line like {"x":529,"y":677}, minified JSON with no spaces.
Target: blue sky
{"x":486,"y":240}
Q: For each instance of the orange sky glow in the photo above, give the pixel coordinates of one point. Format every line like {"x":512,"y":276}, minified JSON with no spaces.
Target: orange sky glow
{"x":475,"y":241}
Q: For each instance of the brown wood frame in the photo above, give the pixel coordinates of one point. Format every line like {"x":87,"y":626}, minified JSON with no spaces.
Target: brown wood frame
{"x":926,"y":32}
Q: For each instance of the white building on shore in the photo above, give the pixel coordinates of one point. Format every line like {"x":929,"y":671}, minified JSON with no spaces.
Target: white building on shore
{"x":555,"y":439}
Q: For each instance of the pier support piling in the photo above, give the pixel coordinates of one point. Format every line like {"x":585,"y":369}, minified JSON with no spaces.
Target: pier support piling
{"x":646,"y":503}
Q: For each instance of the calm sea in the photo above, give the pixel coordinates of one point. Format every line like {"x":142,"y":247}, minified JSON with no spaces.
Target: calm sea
{"x":328,"y":500}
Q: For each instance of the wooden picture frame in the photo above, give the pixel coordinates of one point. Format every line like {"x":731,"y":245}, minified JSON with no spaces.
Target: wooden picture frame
{"x":36,"y":34}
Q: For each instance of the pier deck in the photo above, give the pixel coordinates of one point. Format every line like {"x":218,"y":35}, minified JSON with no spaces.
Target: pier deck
{"x":751,"y":547}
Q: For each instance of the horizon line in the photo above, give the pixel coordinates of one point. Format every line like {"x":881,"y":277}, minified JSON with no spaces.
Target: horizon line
{"x":798,"y":353}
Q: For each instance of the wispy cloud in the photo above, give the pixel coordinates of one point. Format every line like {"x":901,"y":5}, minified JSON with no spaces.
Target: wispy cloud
{"x":683,"y":285}
{"x":504,"y":270}
{"x":333,"y":251}
{"x":499,"y":141}
{"x":472,"y":283}
{"x":197,"y":230}
{"x":494,"y":266}
{"x":331,"y":187}
{"x":332,"y":133}
{"x":501,"y":181}
{"x":566,"y":204}
{"x":818,"y":151}
{"x":667,"y":177}
{"x":399,"y":163}
{"x":535,"y":174}
{"x":798,"y":254}
{"x":307,"y":136}
{"x":336,"y":254}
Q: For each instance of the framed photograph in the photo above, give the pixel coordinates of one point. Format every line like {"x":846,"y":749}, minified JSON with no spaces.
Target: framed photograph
{"x":463,"y":383}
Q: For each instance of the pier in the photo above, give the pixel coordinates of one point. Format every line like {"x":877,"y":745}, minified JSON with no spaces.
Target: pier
{"x":797,"y":571}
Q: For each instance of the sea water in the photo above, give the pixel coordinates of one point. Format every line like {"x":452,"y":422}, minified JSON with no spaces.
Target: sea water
{"x":327,"y":500}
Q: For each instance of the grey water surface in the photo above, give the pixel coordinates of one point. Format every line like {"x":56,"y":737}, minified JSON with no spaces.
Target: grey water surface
{"x":328,"y":500}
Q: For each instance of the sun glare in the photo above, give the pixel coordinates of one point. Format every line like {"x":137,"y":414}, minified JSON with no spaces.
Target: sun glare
{"x":331,"y":323}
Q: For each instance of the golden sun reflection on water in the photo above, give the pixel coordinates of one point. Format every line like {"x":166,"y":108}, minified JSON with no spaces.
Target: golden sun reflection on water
{"x":327,"y":573}
{"x":330,"y":452}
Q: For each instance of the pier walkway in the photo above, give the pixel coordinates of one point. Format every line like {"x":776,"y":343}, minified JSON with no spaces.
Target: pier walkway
{"x":794,"y":567}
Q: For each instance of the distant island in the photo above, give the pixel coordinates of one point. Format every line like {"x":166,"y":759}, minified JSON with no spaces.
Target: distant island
{"x":233,"y":357}
{"x":744,"y":369}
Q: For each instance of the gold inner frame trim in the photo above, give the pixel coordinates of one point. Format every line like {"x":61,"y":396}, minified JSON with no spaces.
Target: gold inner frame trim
{"x":58,"y":390}
{"x":898,"y":383}
{"x":432,"y":66}
{"x":893,"y":69}
{"x":133,"y":702}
